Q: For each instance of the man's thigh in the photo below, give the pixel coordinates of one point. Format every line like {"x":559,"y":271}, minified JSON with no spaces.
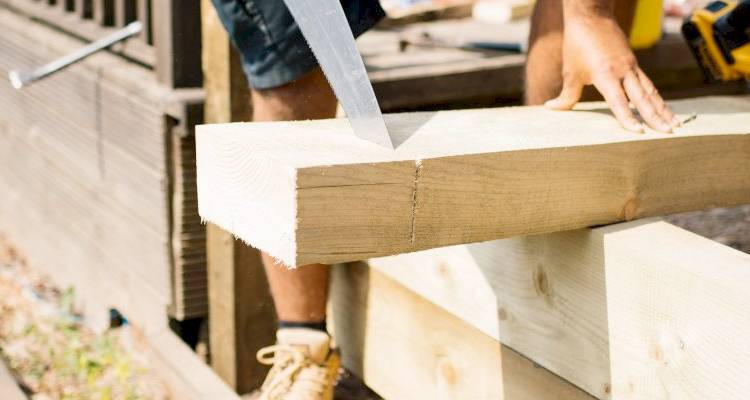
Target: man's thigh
{"x":272,"y":48}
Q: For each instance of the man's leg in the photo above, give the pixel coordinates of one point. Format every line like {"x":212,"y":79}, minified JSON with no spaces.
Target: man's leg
{"x":299,"y":294}
{"x":544,"y":61}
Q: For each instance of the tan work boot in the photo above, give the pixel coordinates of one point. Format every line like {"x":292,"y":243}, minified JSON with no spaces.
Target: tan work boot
{"x":304,"y":366}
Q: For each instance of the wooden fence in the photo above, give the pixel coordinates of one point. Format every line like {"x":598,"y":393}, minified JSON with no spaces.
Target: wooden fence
{"x":169,"y":43}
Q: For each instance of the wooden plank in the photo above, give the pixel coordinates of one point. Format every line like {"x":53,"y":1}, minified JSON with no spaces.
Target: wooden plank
{"x":115,"y":262}
{"x":242,"y":315}
{"x":9,"y":389}
{"x":189,"y":281}
{"x":546,"y":297}
{"x":77,"y":177}
{"x":177,"y":40}
{"x":84,"y":9}
{"x":311,"y":191}
{"x":125,"y":12}
{"x":143,"y":9}
{"x":186,"y":376}
{"x":405,"y":347}
{"x":400,"y":15}
{"x":91,"y":131}
{"x":104,"y":12}
{"x":542,"y":295}
{"x":677,"y":306}
{"x":74,"y":139}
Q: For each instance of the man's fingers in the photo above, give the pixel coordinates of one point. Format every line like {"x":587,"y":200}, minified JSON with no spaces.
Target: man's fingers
{"x":569,"y":96}
{"x":643,"y":103}
{"x":659,"y":104}
{"x":613,"y":93}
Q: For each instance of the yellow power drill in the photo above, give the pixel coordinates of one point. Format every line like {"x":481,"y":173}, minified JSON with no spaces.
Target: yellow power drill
{"x":719,"y":37}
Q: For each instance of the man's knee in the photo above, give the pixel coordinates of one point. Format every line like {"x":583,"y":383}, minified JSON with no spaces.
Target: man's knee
{"x":308,"y":97}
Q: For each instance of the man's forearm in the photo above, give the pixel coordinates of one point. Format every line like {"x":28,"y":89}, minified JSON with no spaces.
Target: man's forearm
{"x":588,"y":8}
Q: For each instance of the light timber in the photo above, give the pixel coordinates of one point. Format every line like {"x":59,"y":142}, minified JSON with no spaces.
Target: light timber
{"x":678,"y":315}
{"x":405,"y":347}
{"x":242,"y":318}
{"x":311,"y":191}
{"x":184,"y":373}
{"x":542,"y":295}
{"x":546,"y":296}
{"x":9,"y":389}
{"x":74,"y":172}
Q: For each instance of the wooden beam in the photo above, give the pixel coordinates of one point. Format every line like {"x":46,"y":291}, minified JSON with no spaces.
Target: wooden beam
{"x":9,"y":389}
{"x":405,"y":347}
{"x":186,"y":376}
{"x":678,"y":319}
{"x":143,"y":10}
{"x":88,"y":178}
{"x":241,"y":314}
{"x":311,"y":191}
{"x":546,"y":297}
{"x":543,"y":295}
{"x":104,"y":12}
{"x":175,"y":36}
{"x":84,"y":9}
{"x":125,"y":12}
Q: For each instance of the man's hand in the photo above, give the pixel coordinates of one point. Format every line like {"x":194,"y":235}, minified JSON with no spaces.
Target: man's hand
{"x":595,"y":51}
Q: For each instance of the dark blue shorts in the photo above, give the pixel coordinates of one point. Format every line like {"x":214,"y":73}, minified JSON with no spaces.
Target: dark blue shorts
{"x":271,"y":46}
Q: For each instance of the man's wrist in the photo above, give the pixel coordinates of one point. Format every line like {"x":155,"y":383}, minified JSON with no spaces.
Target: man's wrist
{"x":584,"y":9}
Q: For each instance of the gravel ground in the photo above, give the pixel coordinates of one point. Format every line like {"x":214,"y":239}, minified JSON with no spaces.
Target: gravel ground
{"x":53,"y":355}
{"x":729,"y":226}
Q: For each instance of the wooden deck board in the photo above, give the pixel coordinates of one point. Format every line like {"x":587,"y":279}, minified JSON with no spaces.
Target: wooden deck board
{"x":9,"y":389}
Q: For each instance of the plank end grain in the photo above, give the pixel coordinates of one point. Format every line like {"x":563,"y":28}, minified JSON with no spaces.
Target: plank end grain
{"x":239,"y":186}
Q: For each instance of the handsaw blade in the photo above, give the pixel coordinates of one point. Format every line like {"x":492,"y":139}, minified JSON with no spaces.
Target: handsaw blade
{"x":328,"y":34}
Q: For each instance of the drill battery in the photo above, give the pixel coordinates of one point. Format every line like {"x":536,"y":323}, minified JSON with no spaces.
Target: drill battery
{"x":719,"y":37}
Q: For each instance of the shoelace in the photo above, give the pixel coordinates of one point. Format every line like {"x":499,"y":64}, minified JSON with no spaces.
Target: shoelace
{"x":293,"y":375}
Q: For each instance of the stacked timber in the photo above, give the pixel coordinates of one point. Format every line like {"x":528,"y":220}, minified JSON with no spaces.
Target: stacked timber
{"x":637,"y":310}
{"x":84,"y":177}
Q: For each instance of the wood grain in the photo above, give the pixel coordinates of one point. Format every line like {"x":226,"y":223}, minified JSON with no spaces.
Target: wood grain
{"x":663,"y":323}
{"x":187,"y":377}
{"x":240,"y":305}
{"x":543,"y":296}
{"x":677,"y":306}
{"x":9,"y":389}
{"x":310,"y":191}
{"x":84,"y":177}
{"x":405,"y":347}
